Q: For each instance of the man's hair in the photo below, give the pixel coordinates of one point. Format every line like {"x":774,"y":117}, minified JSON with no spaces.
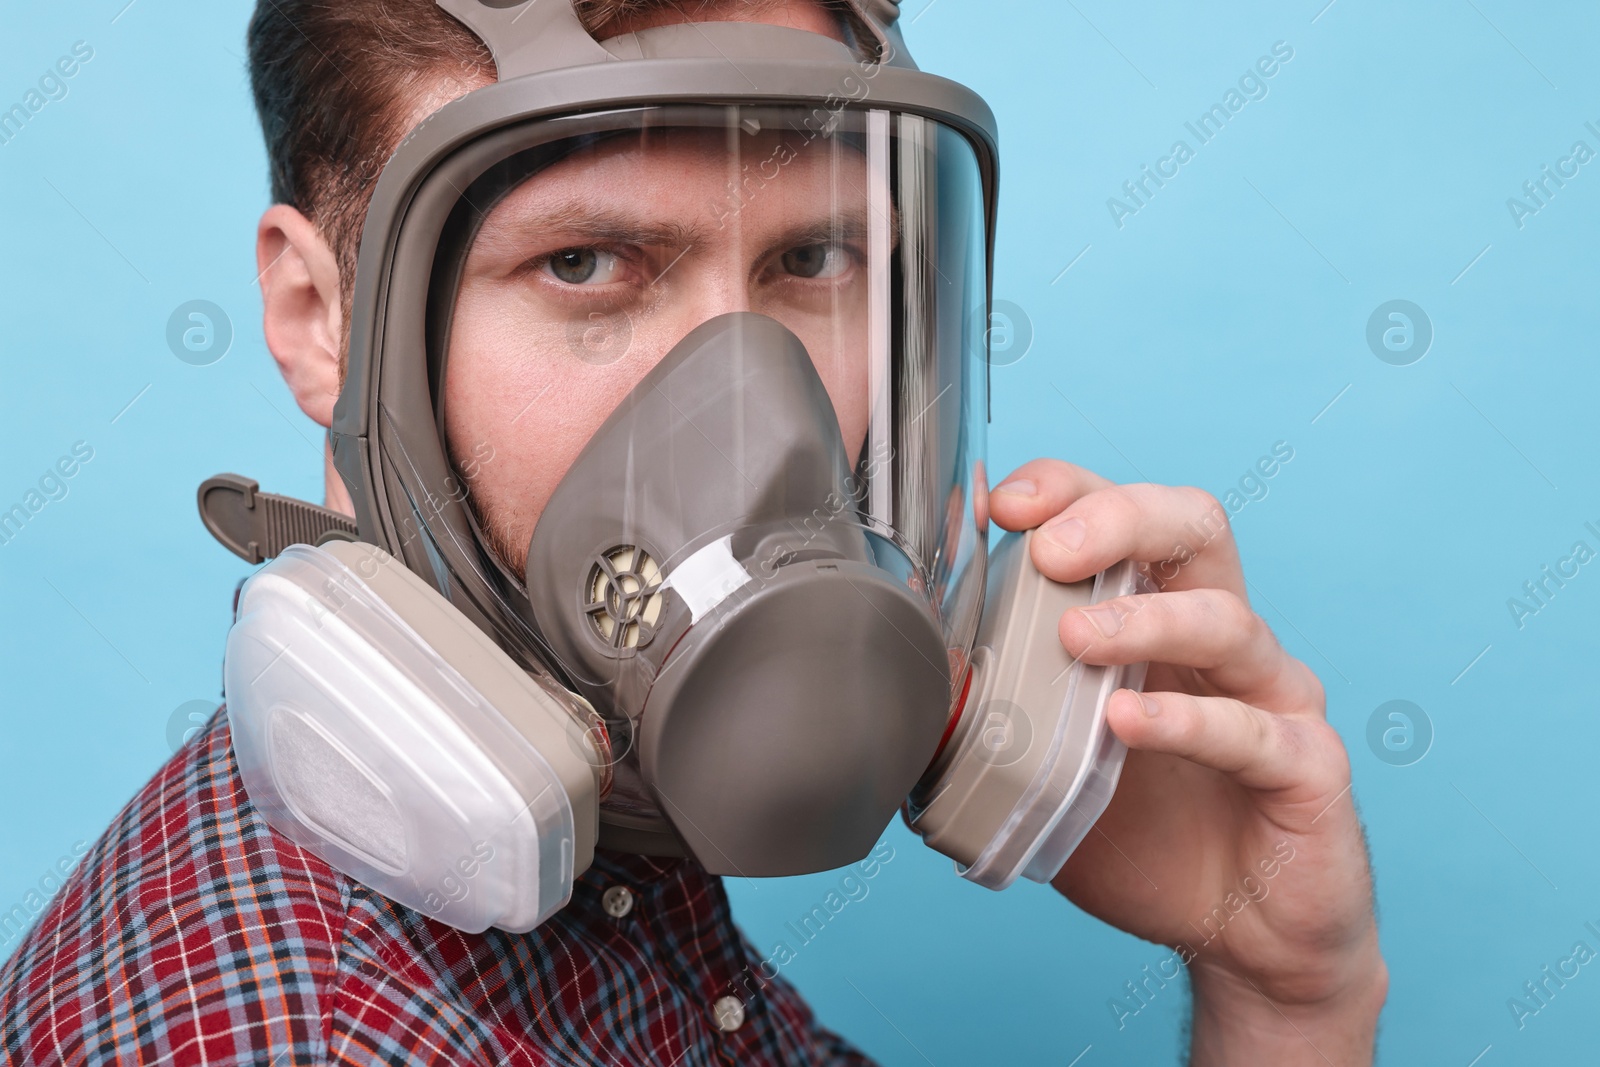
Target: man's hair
{"x":335,"y":82}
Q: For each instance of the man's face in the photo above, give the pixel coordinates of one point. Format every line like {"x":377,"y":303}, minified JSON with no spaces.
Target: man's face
{"x":587,"y":274}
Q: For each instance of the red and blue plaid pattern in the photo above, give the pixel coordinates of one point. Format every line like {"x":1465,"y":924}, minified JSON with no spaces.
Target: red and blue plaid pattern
{"x":193,"y":934}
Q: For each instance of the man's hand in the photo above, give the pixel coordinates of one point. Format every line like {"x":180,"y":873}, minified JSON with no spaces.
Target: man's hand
{"x":1232,"y":836}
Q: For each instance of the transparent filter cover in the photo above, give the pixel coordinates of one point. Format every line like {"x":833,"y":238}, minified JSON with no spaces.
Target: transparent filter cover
{"x":1032,"y":764}
{"x":365,"y":747}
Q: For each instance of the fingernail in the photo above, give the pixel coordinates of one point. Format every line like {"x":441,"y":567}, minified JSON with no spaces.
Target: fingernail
{"x":1067,"y":533}
{"x":1106,"y":619}
{"x":1148,"y":705}
{"x":1018,"y":487}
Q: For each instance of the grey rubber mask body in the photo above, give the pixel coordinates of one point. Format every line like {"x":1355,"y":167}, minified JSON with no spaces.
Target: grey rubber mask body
{"x":769,"y":674}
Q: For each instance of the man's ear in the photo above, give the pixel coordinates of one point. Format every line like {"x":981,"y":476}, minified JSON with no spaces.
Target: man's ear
{"x":303,"y":318}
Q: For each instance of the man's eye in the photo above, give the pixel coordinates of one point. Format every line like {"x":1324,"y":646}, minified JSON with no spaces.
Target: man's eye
{"x":583,"y":266}
{"x":816,"y":261}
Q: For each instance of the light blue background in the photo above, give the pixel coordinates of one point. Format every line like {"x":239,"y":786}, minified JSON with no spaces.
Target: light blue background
{"x":1222,"y":318}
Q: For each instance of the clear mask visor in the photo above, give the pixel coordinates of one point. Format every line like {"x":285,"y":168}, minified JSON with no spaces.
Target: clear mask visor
{"x":582,"y":259}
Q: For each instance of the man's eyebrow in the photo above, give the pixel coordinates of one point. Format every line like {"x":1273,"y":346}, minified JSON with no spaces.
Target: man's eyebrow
{"x":850,"y":225}
{"x":582,"y":224}
{"x":588,"y":224}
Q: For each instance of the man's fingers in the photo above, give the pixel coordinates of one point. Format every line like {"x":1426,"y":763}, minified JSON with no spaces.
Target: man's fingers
{"x":1207,"y":629}
{"x":1038,"y":491}
{"x":1086,"y":523}
{"x":1183,"y":533}
{"x":1259,"y":750}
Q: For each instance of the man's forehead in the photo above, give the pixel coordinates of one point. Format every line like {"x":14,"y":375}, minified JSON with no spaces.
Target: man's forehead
{"x":689,"y":169}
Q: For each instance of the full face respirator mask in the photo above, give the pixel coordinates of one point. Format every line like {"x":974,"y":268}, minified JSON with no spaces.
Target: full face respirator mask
{"x":664,"y":424}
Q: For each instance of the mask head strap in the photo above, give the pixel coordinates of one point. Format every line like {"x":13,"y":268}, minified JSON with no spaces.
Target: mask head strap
{"x":532,"y":36}
{"x":529,"y":36}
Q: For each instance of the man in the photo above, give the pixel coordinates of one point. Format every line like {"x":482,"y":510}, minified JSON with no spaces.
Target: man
{"x":194,"y":933}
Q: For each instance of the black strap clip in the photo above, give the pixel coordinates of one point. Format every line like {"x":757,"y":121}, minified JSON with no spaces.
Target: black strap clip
{"x":256,"y":526}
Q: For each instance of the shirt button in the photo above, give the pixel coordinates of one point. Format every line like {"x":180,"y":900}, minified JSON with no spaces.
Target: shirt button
{"x":618,"y":901}
{"x":729,"y":1013}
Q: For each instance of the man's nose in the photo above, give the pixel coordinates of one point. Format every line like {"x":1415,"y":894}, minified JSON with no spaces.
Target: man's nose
{"x":720,"y":287}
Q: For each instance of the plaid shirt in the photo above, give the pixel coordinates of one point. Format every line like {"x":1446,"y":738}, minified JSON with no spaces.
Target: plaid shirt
{"x":191,"y":933}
